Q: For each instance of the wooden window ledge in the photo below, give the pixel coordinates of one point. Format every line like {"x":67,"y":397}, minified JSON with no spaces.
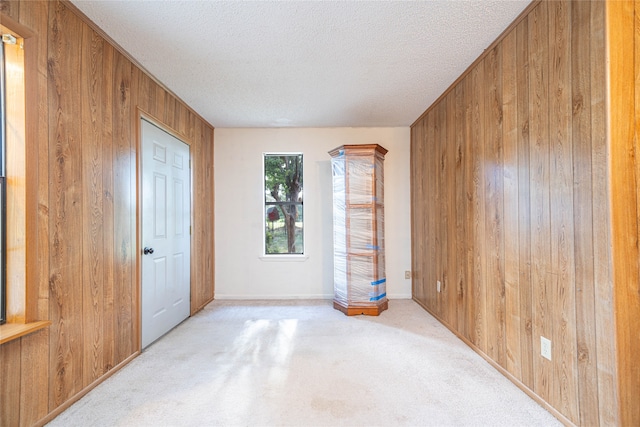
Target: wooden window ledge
{"x":12,"y":331}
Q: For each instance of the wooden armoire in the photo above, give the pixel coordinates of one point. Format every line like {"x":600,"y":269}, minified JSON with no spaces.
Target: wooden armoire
{"x":358,"y":229}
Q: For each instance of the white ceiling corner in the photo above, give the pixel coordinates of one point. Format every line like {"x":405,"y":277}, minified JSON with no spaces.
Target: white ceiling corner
{"x":305,"y":63}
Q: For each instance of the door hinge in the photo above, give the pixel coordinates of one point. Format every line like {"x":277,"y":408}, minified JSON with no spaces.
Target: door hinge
{"x":189,"y":163}
{"x":189,"y":230}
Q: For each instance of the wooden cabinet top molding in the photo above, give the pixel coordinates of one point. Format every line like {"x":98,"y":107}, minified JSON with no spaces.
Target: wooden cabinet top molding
{"x":358,"y":149}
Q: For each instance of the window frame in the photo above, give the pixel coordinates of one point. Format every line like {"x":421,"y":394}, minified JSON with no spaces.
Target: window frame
{"x":289,"y":256}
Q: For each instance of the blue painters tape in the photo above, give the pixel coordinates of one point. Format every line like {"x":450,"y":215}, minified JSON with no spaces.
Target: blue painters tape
{"x":375,"y":248}
{"x":379,"y":297}
{"x":378,"y":282}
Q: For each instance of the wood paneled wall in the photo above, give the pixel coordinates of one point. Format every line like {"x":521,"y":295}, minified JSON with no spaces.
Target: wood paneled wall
{"x":82,"y":240}
{"x":511,"y":210}
{"x":623,"y":31}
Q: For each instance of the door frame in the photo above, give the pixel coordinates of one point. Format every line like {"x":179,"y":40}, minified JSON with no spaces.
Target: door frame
{"x":139,"y":116}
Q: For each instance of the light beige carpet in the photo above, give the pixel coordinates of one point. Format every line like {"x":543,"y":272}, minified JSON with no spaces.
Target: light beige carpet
{"x":302,"y":363}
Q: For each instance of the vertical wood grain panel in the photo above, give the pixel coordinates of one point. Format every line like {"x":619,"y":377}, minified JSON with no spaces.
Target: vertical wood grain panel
{"x":10,"y":383}
{"x":541,"y":276}
{"x":561,"y":204}
{"x":431,"y":162}
{"x":197,"y":269}
{"x":208,"y":284}
{"x":159,"y":100}
{"x":65,"y":195}
{"x":417,"y":215}
{"x":34,"y":360}
{"x":622,"y":30}
{"x":468,"y":243}
{"x":34,"y":15}
{"x":602,"y":256}
{"x":442,"y":253}
{"x":11,"y":8}
{"x":92,"y":202}
{"x":450,"y":149}
{"x":494,"y":206}
{"x":124,"y":240}
{"x":109,"y":310}
{"x":459,"y":247}
{"x":144,"y":83}
{"x":524,"y":200}
{"x":421,"y":216}
{"x":587,"y":386}
{"x":511,"y":211}
{"x":34,"y":348}
{"x":633,"y":304}
{"x":479,"y":336}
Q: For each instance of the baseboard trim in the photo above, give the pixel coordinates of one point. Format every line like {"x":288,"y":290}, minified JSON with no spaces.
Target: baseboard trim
{"x":285,"y":297}
{"x":273,"y":297}
{"x":73,"y":399}
{"x":553,"y":411}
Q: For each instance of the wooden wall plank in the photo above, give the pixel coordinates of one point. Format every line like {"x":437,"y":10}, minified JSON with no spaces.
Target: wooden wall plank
{"x":442,"y":253}
{"x":450,"y":149}
{"x":468,"y":242}
{"x":65,"y":192}
{"x":10,"y":383}
{"x":602,"y":256}
{"x":208,"y":253}
{"x":541,"y":276}
{"x":34,"y":15}
{"x":624,"y":70}
{"x":35,"y":360}
{"x":431,"y":162}
{"x":460,"y":229}
{"x":11,"y":8}
{"x":564,"y":350}
{"x":197,"y":268}
{"x":510,"y":208}
{"x":34,"y":349}
{"x":417,"y":216}
{"x":92,"y":203}
{"x":494,"y":205}
{"x":109,"y":308}
{"x":524,"y":200}
{"x":479,"y":336}
{"x":587,"y":379}
{"x":124,"y":239}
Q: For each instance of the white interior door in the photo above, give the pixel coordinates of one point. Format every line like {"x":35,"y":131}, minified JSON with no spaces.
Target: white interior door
{"x":166,"y":216}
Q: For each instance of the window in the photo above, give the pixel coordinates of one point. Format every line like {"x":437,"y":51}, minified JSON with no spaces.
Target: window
{"x":283,"y":212}
{"x":3,"y":199}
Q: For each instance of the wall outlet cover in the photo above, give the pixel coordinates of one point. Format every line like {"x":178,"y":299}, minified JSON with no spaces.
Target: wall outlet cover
{"x":545,"y":347}
{"x":407,"y":274}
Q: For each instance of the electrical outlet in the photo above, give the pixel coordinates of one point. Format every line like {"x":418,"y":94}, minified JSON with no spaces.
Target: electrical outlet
{"x":407,"y":274}
{"x":438,"y":285}
{"x":545,"y":347}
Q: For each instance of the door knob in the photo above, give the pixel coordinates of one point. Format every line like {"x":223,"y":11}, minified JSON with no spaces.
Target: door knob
{"x":147,"y":251}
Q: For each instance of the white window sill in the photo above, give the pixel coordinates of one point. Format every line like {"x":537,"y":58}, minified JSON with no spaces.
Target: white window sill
{"x":284,"y":258}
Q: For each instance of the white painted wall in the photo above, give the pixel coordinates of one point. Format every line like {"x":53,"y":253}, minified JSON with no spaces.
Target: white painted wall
{"x":241,"y":271}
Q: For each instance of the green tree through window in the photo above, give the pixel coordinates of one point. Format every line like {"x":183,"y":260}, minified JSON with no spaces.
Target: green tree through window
{"x":283,"y":204}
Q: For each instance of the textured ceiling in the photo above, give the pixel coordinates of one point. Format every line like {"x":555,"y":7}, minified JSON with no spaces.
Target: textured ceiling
{"x":305,"y":64}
